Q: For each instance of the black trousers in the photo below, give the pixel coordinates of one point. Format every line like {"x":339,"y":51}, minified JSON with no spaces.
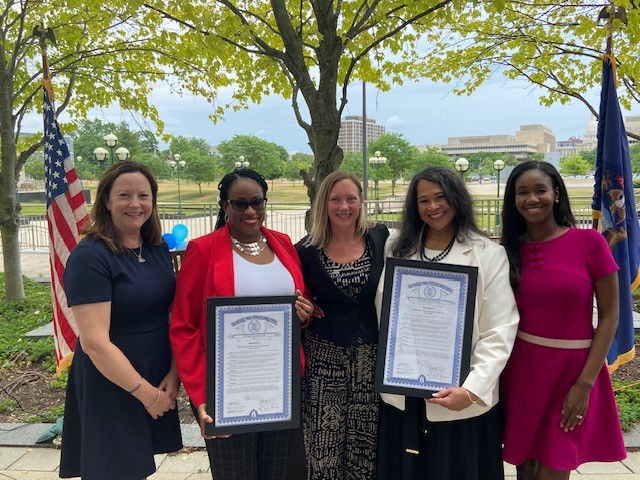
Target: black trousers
{"x":250,"y":456}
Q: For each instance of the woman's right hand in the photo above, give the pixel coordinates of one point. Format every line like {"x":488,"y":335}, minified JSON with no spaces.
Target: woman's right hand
{"x":203,"y":419}
{"x":162,"y":405}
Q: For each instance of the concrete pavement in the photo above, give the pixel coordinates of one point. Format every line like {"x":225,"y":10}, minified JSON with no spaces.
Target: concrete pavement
{"x":38,"y":463}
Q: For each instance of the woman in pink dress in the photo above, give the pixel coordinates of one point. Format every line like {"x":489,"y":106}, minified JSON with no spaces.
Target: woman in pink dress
{"x":559,"y":403}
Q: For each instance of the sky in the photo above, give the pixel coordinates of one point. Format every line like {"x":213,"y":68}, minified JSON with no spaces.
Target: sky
{"x":424,"y":113}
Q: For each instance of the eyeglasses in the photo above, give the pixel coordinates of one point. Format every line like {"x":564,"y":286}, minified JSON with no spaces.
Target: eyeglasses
{"x":241,"y":205}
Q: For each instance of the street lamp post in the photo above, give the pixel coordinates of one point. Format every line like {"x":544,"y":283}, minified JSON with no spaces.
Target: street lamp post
{"x":462,"y":165}
{"x":498,"y":165}
{"x":241,"y":163}
{"x":100,"y":154}
{"x":177,"y":164}
{"x":122,"y":153}
{"x":110,"y":141}
{"x":377,"y":160}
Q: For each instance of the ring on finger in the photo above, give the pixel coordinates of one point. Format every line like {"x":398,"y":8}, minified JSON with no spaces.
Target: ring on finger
{"x":579,"y":417}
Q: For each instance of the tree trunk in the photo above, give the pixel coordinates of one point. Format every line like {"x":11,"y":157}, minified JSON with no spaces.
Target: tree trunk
{"x":13,"y":286}
{"x":9,"y":206}
{"x":10,"y":221}
{"x":393,"y":187}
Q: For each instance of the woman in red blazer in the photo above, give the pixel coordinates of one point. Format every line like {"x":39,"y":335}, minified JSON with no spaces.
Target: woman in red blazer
{"x":240,"y":258}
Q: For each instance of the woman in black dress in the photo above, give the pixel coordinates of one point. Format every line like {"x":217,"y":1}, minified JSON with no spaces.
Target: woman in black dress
{"x":119,"y":281}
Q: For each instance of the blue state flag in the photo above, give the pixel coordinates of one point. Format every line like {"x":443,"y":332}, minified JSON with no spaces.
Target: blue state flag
{"x":614,"y":204}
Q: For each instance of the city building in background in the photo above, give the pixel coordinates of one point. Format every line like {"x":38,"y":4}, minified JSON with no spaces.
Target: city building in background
{"x":350,"y":136}
{"x":631,"y":124}
{"x":527,"y":141}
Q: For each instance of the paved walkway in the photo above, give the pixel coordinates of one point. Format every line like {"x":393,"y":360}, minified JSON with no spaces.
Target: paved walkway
{"x":29,"y":463}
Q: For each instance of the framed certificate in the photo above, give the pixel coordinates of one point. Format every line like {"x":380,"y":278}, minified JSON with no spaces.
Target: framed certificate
{"x":425,"y":327}
{"x":253,"y":364}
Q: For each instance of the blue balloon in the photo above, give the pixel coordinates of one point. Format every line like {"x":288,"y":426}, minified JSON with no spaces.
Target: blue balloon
{"x":180,"y":231}
{"x":170,"y":239}
{"x":182,"y":245}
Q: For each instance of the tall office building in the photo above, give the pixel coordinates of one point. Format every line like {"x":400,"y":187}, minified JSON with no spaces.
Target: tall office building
{"x":350,"y":136}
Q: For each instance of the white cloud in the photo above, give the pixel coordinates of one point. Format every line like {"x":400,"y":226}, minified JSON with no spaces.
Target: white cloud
{"x":424,"y":113}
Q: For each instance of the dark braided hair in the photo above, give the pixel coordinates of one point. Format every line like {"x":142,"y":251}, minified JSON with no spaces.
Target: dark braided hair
{"x":226,"y":183}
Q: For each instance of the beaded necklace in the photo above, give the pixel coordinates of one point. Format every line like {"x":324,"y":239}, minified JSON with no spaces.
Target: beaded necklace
{"x":441,"y":255}
{"x":251,"y":248}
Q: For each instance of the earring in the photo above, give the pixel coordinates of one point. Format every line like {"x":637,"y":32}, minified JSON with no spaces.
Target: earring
{"x":557,"y":201}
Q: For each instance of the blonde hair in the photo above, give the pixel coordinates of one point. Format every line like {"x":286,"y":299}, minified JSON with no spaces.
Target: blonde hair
{"x":320,"y":234}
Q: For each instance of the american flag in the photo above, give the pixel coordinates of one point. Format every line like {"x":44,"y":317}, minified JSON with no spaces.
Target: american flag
{"x":66,"y":214}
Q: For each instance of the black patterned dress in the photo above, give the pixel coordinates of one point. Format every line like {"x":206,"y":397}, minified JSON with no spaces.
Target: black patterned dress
{"x":339,"y":406}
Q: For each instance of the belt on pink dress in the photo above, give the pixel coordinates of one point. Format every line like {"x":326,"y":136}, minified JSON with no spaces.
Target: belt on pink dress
{"x":554,"y":342}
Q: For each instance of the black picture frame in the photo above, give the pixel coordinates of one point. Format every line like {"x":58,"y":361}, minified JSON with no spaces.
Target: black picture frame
{"x":432,"y":274}
{"x":256,"y":310}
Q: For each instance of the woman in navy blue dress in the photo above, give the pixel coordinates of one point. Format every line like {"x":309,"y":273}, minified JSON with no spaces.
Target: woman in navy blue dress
{"x":119,"y":282}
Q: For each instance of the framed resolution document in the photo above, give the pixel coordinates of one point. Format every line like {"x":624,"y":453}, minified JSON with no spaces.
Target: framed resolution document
{"x":425,"y":327}
{"x":253,"y":364}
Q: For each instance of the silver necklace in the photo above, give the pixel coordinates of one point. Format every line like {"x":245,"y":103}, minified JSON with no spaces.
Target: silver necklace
{"x":138,"y":255}
{"x":442,"y":254}
{"x":251,"y":248}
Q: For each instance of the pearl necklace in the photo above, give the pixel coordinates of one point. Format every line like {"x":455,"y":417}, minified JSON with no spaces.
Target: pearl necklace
{"x":442,"y":254}
{"x":252,"y":248}
{"x":138,"y":255}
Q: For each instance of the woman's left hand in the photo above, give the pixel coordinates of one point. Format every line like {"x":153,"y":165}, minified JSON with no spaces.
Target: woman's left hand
{"x":453,"y":398}
{"x":304,"y":307}
{"x":574,"y":407}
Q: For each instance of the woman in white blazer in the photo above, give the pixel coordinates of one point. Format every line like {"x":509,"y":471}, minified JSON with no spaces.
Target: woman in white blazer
{"x":456,"y":433}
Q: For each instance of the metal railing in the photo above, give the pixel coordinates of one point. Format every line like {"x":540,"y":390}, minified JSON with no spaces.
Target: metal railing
{"x":200,"y":219}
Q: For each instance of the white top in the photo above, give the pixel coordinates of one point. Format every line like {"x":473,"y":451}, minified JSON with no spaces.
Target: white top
{"x":495,"y":324}
{"x":252,"y":280}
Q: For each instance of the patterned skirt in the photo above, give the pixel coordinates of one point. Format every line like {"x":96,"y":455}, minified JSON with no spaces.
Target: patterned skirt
{"x":339,"y":410}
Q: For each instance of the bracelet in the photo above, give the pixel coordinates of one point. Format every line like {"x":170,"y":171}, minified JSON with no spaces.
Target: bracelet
{"x":135,"y":388}
{"x":154,"y":403}
{"x":469,"y":396}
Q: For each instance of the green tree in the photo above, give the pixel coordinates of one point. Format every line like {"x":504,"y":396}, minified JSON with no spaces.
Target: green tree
{"x":157,"y":164}
{"x":399,"y":153}
{"x":103,"y":56}
{"x":265,"y":157}
{"x":556,"y":46}
{"x":295,"y":164}
{"x":201,"y":168}
{"x":352,"y":162}
{"x":35,"y":168}
{"x":309,"y":51}
{"x":430,"y":157}
{"x":574,"y":165}
{"x":589,"y":156}
{"x":634,"y":153}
